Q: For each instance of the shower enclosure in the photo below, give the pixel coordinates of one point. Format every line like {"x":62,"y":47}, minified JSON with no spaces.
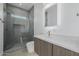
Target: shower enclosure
{"x":18,"y":23}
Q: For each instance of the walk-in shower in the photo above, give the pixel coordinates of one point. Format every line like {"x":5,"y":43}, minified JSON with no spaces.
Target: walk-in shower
{"x":18,"y":25}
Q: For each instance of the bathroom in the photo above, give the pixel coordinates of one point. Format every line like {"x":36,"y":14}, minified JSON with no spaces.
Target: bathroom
{"x":39,"y":29}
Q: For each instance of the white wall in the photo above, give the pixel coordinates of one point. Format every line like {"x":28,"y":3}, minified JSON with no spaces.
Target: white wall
{"x":38,"y":19}
{"x":1,"y":29}
{"x":69,"y":21}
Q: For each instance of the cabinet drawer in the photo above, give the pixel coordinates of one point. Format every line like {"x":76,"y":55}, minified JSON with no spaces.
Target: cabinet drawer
{"x":43,"y":48}
{"x":60,"y":51}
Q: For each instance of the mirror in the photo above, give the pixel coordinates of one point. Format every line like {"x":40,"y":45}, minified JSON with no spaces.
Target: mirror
{"x":51,"y":16}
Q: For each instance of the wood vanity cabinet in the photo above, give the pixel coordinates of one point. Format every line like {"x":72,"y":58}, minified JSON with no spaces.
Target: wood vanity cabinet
{"x":43,"y":48}
{"x":60,"y":51}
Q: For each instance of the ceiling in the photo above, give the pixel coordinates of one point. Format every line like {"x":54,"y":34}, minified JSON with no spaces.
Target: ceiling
{"x":26,"y":6}
{"x":48,"y":5}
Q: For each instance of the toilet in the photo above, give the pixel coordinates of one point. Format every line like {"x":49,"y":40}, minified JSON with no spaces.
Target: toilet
{"x":30,"y":46}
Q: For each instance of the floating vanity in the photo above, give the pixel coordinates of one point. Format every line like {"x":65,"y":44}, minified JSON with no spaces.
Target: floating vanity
{"x":56,"y":45}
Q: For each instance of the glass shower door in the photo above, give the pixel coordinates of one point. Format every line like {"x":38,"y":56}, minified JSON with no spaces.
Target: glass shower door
{"x":16,"y":23}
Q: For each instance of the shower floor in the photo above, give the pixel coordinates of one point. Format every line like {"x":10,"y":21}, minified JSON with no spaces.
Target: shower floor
{"x":18,"y":50}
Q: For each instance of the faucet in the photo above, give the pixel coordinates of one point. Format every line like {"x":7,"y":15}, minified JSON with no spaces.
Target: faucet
{"x":49,"y":33}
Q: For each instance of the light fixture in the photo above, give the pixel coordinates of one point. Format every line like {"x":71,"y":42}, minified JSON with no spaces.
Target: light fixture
{"x":19,"y":17}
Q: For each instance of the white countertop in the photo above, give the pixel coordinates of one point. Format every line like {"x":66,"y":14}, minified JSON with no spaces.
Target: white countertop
{"x":71,"y":43}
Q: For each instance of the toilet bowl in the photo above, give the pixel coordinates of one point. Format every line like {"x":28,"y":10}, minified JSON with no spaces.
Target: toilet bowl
{"x":30,"y":46}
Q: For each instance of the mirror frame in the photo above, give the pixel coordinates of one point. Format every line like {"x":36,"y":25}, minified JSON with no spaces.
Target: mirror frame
{"x":48,"y":6}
